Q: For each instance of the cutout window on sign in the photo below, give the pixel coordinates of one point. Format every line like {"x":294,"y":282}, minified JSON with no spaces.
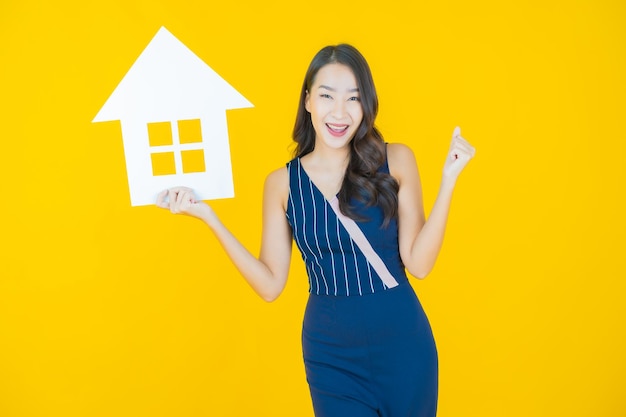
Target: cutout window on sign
{"x":160,"y":134}
{"x":173,"y":150}
{"x":189,"y":131}
{"x":163,"y":163}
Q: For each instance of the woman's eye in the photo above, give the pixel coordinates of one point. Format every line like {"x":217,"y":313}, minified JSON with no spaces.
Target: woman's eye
{"x":354,"y":99}
{"x":325,"y":96}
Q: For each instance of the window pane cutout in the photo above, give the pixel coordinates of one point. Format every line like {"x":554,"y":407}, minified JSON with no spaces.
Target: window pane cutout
{"x":160,"y":134}
{"x":193,"y":161}
{"x":189,"y":131}
{"x":163,"y":163}
{"x":176,"y":147}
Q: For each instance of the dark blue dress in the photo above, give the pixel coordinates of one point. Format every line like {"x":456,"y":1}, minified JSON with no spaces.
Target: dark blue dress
{"x":368,"y":349}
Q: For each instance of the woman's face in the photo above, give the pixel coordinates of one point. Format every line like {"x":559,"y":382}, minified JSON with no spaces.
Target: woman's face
{"x":335,"y":106}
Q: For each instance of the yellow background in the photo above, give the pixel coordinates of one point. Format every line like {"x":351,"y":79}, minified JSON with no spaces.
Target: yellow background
{"x":109,"y":310}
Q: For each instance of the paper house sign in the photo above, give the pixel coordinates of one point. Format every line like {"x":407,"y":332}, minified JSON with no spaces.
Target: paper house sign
{"x":172,"y":109}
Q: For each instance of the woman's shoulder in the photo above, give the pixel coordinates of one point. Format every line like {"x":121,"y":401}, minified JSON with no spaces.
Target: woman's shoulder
{"x":398,"y":150}
{"x":400,"y":157}
{"x":278,"y":177}
{"x":277,"y":187}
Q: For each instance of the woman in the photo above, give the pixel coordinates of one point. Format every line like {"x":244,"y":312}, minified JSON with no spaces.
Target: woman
{"x":353,"y":205}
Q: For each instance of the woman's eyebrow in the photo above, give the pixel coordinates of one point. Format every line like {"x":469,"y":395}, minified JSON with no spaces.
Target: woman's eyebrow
{"x":350,"y":90}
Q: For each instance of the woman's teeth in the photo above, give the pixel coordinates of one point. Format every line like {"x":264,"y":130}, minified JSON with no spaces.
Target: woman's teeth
{"x":337,"y":129}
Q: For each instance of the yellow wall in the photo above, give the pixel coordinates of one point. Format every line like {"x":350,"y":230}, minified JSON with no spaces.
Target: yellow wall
{"x":108,"y":310}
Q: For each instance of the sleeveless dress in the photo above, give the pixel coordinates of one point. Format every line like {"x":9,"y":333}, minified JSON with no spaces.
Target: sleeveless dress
{"x":368,"y":349}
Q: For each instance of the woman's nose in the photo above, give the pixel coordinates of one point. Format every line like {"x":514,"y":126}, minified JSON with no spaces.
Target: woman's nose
{"x":339,"y":109}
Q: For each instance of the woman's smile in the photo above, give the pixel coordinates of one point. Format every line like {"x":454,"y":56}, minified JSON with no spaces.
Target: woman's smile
{"x":337,"y":130}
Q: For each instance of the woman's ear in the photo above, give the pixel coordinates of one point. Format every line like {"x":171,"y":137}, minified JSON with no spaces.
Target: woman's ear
{"x":306,"y":101}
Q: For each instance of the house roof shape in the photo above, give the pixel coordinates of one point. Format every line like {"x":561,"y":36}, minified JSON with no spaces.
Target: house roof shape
{"x":169,"y":82}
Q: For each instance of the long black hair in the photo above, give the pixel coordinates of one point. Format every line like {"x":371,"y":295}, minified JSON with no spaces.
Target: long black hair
{"x":362,"y":181}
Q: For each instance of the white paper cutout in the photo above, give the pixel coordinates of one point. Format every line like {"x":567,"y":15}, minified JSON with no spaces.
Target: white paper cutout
{"x":168,"y":83}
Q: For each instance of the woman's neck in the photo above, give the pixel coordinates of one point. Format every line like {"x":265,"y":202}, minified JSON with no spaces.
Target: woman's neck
{"x":329,"y":158}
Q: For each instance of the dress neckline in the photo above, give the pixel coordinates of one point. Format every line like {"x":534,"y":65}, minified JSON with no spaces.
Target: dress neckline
{"x":314,"y":186}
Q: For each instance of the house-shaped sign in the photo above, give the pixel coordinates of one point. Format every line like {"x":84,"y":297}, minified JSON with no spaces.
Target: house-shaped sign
{"x":172,"y":109}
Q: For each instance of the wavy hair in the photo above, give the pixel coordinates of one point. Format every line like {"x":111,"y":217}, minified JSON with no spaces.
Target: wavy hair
{"x":362,"y":181}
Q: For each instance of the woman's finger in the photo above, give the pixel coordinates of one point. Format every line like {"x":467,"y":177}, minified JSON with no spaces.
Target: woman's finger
{"x":176,"y":199}
{"x":461,"y":145}
{"x":160,"y":201}
{"x":465,"y":148}
{"x":173,"y":197}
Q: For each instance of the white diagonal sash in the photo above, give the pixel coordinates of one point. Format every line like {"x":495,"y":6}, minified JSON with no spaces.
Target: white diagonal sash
{"x":361,"y":241}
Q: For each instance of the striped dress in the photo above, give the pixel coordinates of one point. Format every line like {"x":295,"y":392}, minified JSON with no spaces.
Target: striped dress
{"x":368,"y":347}
{"x":335,"y":266}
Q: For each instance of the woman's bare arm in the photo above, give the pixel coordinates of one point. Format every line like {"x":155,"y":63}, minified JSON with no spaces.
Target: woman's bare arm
{"x":420,"y":240}
{"x":267,"y":274}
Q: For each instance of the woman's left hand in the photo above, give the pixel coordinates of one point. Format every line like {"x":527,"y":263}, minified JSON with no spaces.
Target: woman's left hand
{"x":459,"y":155}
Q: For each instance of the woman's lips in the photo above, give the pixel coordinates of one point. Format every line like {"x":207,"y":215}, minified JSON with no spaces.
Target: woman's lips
{"x":337,"y":130}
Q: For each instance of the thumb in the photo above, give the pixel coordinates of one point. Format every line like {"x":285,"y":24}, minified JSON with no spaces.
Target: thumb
{"x":457,"y":132}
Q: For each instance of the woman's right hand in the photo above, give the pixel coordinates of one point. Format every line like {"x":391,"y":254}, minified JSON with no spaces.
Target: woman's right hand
{"x":182,"y":200}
